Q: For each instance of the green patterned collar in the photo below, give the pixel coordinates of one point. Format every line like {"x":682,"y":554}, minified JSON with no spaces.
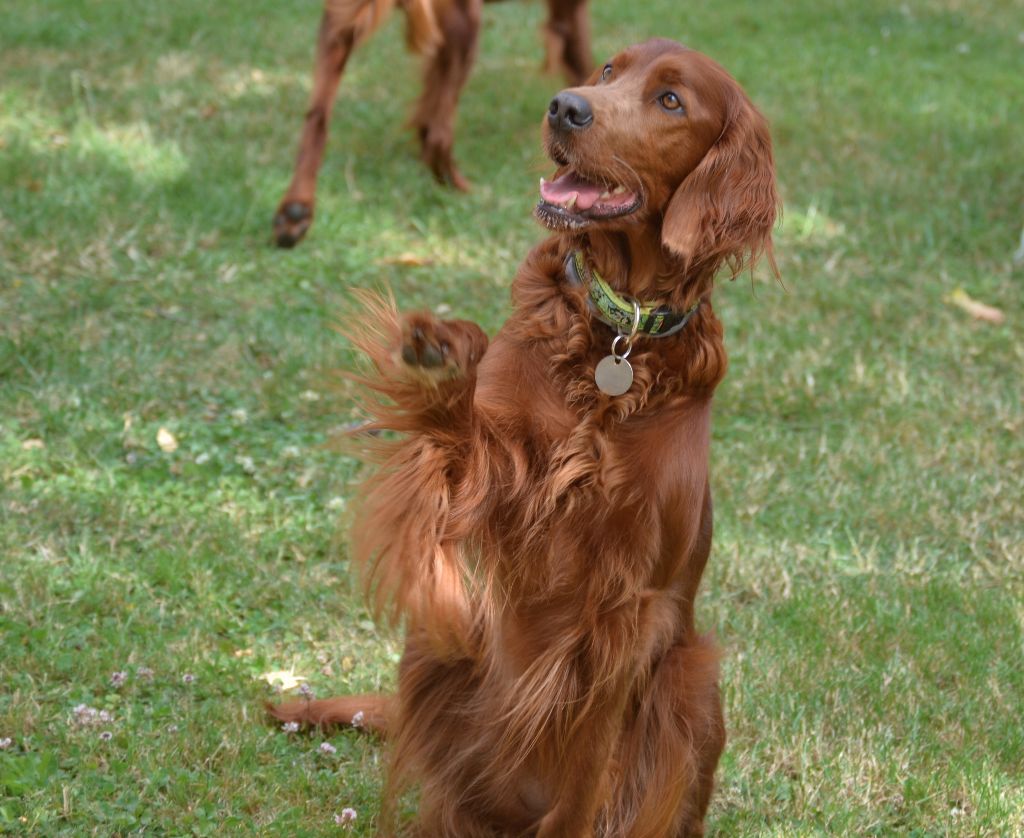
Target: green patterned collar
{"x":614,"y":310}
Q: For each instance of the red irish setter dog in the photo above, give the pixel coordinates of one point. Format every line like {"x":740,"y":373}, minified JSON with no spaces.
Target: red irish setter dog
{"x":445,"y":33}
{"x":541,"y":526}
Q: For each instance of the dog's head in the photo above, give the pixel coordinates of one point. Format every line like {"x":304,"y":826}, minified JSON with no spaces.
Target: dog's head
{"x":663,"y":135}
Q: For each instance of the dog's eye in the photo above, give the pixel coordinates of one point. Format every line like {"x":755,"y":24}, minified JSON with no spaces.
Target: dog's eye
{"x":606,"y":73}
{"x":670,"y":102}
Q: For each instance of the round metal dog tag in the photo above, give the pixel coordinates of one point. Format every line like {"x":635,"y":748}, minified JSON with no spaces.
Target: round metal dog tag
{"x":614,"y":376}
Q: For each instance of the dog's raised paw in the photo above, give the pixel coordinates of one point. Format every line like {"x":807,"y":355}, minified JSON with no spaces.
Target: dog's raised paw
{"x":439,"y":350}
{"x":423,"y":342}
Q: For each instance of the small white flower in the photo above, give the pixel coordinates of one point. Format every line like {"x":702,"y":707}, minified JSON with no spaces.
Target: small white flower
{"x":247,"y":464}
{"x":240,"y":414}
{"x":291,"y":451}
{"x":118,"y":679}
{"x":347,"y":817}
{"x":145,"y":673}
{"x":309,"y":396}
{"x":327,"y":748}
{"x":336,"y":503}
{"x":106,"y":736}
{"x":306,"y":691}
{"x":85,"y":716}
{"x":6,"y":742}
{"x":188,"y":678}
{"x":202,"y":458}
{"x":290,"y":727}
{"x":358,"y":720}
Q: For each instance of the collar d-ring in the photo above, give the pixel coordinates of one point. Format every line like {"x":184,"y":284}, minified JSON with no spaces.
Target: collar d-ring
{"x":627,"y":338}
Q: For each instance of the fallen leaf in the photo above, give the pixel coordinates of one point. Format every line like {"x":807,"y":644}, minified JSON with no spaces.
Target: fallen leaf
{"x":285,"y":678}
{"x":33,"y":445}
{"x":166,"y":440}
{"x":977,"y":310}
{"x":408,"y":260}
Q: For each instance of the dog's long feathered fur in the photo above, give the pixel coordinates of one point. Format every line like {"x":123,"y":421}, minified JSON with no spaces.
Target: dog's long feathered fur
{"x":545,"y":541}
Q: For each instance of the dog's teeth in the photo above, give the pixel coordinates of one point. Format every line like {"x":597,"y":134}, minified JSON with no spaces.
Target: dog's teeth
{"x":542,"y":182}
{"x":618,"y":190}
{"x":605,"y":194}
{"x":571,"y":202}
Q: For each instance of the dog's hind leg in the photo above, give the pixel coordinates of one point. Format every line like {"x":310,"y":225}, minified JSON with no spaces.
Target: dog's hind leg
{"x":567,"y":36}
{"x":365,"y":712}
{"x":446,"y":73}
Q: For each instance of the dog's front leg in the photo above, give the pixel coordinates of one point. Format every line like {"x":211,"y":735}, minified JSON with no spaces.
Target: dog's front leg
{"x":412,"y":513}
{"x":585,"y":784}
{"x":597,"y":672}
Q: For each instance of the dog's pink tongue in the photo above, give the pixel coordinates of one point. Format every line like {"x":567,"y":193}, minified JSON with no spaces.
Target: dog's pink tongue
{"x":560,"y":191}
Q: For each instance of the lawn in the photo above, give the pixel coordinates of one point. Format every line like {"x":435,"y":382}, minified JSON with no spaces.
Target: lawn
{"x":171,"y":519}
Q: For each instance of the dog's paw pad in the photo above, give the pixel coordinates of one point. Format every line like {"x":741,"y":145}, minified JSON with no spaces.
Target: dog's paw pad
{"x":422,"y":346}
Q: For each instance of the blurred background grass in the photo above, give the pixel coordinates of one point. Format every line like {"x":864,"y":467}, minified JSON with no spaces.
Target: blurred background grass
{"x":867,"y":577}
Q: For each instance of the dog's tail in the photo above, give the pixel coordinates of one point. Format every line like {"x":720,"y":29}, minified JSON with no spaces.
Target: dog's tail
{"x":363,"y":17}
{"x":365,"y":712}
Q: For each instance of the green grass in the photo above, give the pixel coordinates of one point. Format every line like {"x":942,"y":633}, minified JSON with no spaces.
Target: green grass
{"x":867,"y":578}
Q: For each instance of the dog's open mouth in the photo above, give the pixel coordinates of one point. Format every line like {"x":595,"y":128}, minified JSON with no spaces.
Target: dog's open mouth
{"x":572,"y":201}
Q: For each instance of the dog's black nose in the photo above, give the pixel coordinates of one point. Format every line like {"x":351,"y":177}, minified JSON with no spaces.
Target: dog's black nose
{"x":569,"y":112}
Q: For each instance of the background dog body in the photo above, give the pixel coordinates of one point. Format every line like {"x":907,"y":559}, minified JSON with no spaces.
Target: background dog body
{"x":445,"y":33}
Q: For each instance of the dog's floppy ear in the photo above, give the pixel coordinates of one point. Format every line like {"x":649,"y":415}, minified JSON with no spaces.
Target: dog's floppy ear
{"x":725,"y":209}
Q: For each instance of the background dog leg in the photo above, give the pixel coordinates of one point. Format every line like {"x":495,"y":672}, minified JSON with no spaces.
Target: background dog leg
{"x":335,"y":42}
{"x":446,"y":73}
{"x":567,"y":37}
